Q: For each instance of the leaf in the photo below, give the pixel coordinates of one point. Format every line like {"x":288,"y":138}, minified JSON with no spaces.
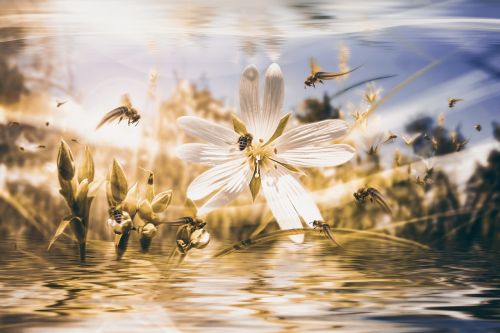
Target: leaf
{"x":94,"y":187}
{"x":131,"y":200}
{"x":279,"y":130}
{"x":60,"y":229}
{"x":65,"y":162}
{"x":145,"y":210}
{"x":288,"y":166}
{"x":161,"y":201}
{"x":79,"y":229}
{"x":255,"y":186}
{"x":109,"y":195}
{"x":68,"y":189}
{"x":86,"y":170}
{"x":119,"y":186}
{"x":81,"y":193}
{"x":238,"y":125}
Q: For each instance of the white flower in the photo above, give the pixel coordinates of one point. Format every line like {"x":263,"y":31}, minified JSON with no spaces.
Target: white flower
{"x":269,"y":160}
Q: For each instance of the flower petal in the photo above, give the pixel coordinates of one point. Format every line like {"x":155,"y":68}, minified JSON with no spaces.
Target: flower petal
{"x":317,"y":156}
{"x":236,"y":185}
{"x":207,"y":153}
{"x":208,"y":131}
{"x":274,"y":93}
{"x":249,"y":98}
{"x":301,"y":200}
{"x":311,"y":134}
{"x":279,"y":203}
{"x":216,"y":178}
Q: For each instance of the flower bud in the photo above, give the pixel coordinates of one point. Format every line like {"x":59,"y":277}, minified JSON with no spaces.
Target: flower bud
{"x":122,"y":228}
{"x":86,"y":170}
{"x":65,"y":162}
{"x":149,"y":230}
{"x":118,"y":181}
{"x":131,"y":201}
{"x":161,"y":201}
{"x":145,"y":211}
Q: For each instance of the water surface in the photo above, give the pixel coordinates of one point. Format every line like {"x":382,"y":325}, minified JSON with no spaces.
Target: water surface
{"x":277,"y":288}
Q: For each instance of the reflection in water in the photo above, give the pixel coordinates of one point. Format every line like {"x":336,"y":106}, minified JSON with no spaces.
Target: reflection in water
{"x":282,"y":288}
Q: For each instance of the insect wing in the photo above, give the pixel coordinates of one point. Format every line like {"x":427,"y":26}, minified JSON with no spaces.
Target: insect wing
{"x":125,"y":100}
{"x":112,"y":115}
{"x":332,"y":75}
{"x":380,"y":200}
{"x":314,"y":66}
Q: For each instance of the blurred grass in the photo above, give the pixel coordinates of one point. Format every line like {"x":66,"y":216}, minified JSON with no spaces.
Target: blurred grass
{"x":446,"y":215}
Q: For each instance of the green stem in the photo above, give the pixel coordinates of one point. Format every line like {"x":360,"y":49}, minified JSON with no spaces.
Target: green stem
{"x":247,"y":243}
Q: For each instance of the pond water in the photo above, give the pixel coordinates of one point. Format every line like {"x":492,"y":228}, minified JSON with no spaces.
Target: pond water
{"x":272,"y":288}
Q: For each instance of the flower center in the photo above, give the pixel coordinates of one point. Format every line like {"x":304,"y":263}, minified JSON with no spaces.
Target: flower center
{"x":258,"y":154}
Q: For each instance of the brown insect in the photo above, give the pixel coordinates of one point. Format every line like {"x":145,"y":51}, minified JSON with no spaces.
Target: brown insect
{"x":453,"y":101}
{"x":317,"y":75}
{"x":390,"y":138}
{"x":325,"y":228}
{"x":124,"y":111}
{"x":478,"y":127}
{"x":60,"y":103}
{"x":374,"y":196}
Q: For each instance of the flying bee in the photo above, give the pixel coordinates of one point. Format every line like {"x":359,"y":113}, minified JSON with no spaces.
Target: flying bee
{"x":318,"y":76}
{"x":47,"y":124}
{"x":325,"y":228}
{"x":374,"y":195}
{"x":390,"y":138}
{"x":124,"y":111}
{"x":60,"y":103}
{"x":76,"y":141}
{"x":245,"y":141}
{"x":478,"y":127}
{"x":42,"y":146}
{"x":453,"y":101}
{"x":194,"y":222}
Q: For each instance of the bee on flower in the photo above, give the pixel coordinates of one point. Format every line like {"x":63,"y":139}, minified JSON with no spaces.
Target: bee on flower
{"x":260,"y":154}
